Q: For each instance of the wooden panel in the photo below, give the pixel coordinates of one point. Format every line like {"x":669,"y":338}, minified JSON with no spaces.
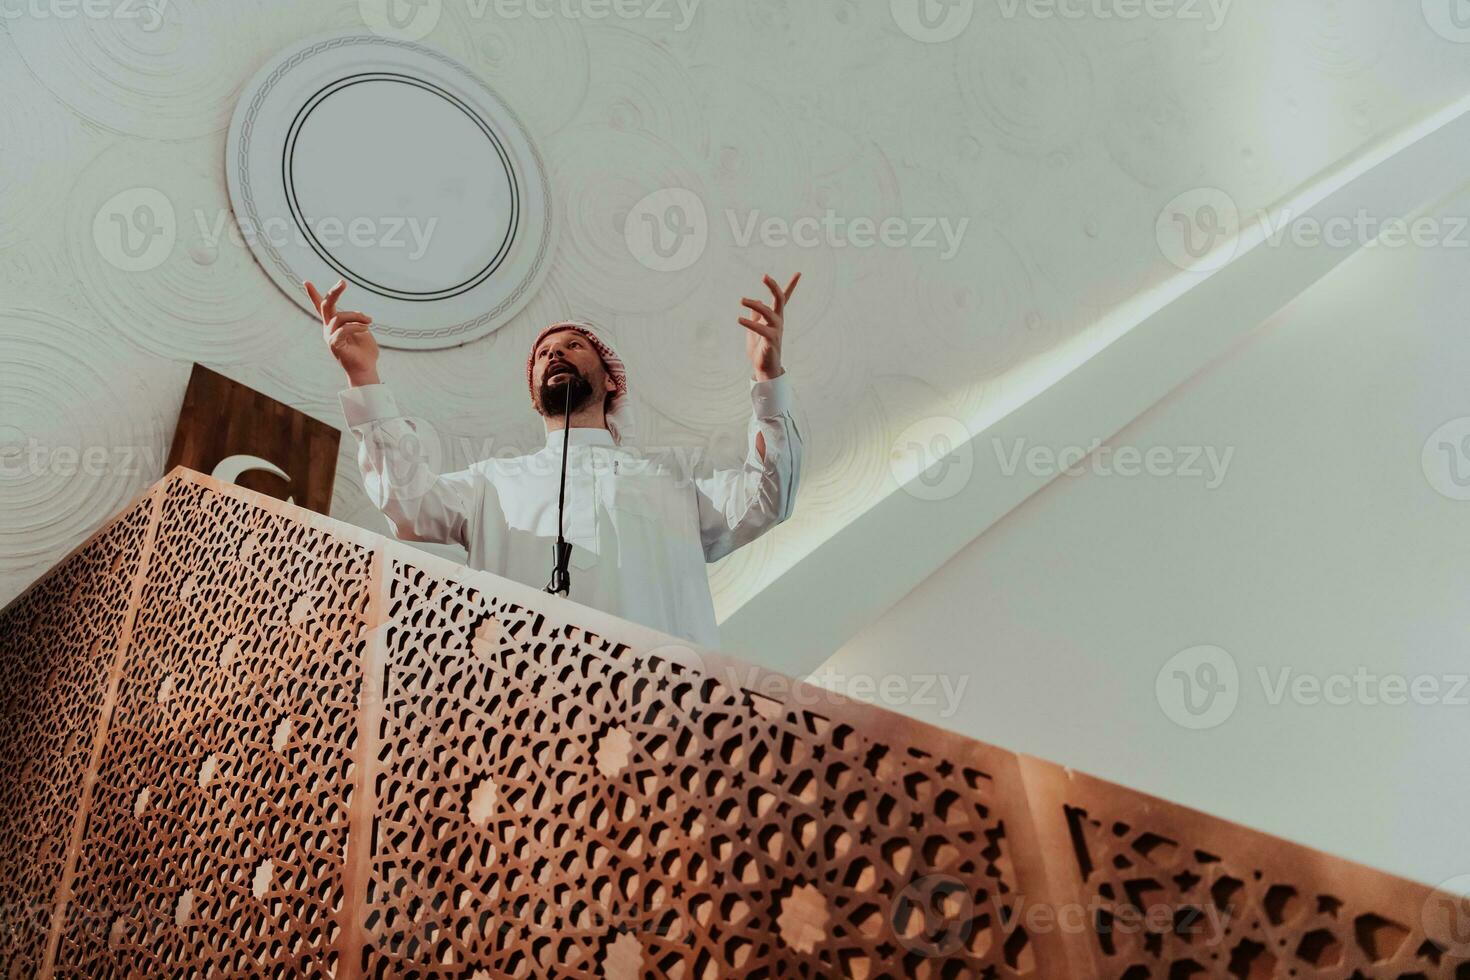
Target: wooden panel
{"x":1168,"y":892}
{"x":221,"y":418}
{"x":599,"y":810}
{"x":251,"y":740}
{"x":220,"y":816}
{"x":58,"y":646}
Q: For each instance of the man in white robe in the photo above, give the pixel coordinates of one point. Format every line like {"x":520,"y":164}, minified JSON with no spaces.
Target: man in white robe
{"x":642,"y":526}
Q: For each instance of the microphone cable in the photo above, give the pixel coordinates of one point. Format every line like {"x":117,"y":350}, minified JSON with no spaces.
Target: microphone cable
{"x":561,"y":555}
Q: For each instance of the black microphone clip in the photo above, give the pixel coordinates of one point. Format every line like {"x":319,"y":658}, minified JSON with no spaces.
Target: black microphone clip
{"x":561,"y":580}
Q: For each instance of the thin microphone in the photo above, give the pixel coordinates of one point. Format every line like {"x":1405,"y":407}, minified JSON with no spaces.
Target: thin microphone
{"x":561,"y":555}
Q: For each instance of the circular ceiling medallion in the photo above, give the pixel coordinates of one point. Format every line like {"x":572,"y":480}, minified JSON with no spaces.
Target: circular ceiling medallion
{"x":390,"y":165}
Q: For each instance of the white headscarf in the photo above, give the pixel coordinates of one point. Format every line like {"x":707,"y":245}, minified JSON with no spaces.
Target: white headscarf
{"x":619,"y":409}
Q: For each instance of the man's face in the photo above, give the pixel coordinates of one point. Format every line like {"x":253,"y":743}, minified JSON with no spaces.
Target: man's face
{"x":564,"y":358}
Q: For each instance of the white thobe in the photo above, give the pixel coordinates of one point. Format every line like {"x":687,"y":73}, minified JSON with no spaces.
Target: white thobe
{"x":642,"y":525}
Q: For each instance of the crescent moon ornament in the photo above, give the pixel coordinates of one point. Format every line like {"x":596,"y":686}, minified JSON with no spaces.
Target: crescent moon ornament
{"x":231,"y":468}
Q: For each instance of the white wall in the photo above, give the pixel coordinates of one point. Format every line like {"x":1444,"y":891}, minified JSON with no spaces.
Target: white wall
{"x":1325,"y":549}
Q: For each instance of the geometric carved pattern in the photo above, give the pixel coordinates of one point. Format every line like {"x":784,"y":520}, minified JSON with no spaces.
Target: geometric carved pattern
{"x":219,"y":817}
{"x":243,"y":739}
{"x":552,"y":803}
{"x":1171,"y":893}
{"x":57,"y":644}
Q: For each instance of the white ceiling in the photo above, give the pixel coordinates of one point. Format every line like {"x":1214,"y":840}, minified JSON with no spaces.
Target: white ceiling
{"x":1059,"y":140}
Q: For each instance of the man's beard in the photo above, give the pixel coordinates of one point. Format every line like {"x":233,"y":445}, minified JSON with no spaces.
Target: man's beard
{"x":554,"y":396}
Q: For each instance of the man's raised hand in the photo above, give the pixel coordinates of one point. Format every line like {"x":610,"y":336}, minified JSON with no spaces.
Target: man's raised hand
{"x":348,"y":334}
{"x":764,"y":331}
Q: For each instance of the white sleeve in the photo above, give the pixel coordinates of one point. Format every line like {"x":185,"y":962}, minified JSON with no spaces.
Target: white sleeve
{"x":398,"y":475}
{"x":736,"y":506}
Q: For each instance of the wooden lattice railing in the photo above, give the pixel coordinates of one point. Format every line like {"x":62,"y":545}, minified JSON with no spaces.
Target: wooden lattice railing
{"x":243,"y":739}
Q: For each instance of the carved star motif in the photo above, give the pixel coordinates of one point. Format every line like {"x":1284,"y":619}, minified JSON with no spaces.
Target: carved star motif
{"x":803,"y":918}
